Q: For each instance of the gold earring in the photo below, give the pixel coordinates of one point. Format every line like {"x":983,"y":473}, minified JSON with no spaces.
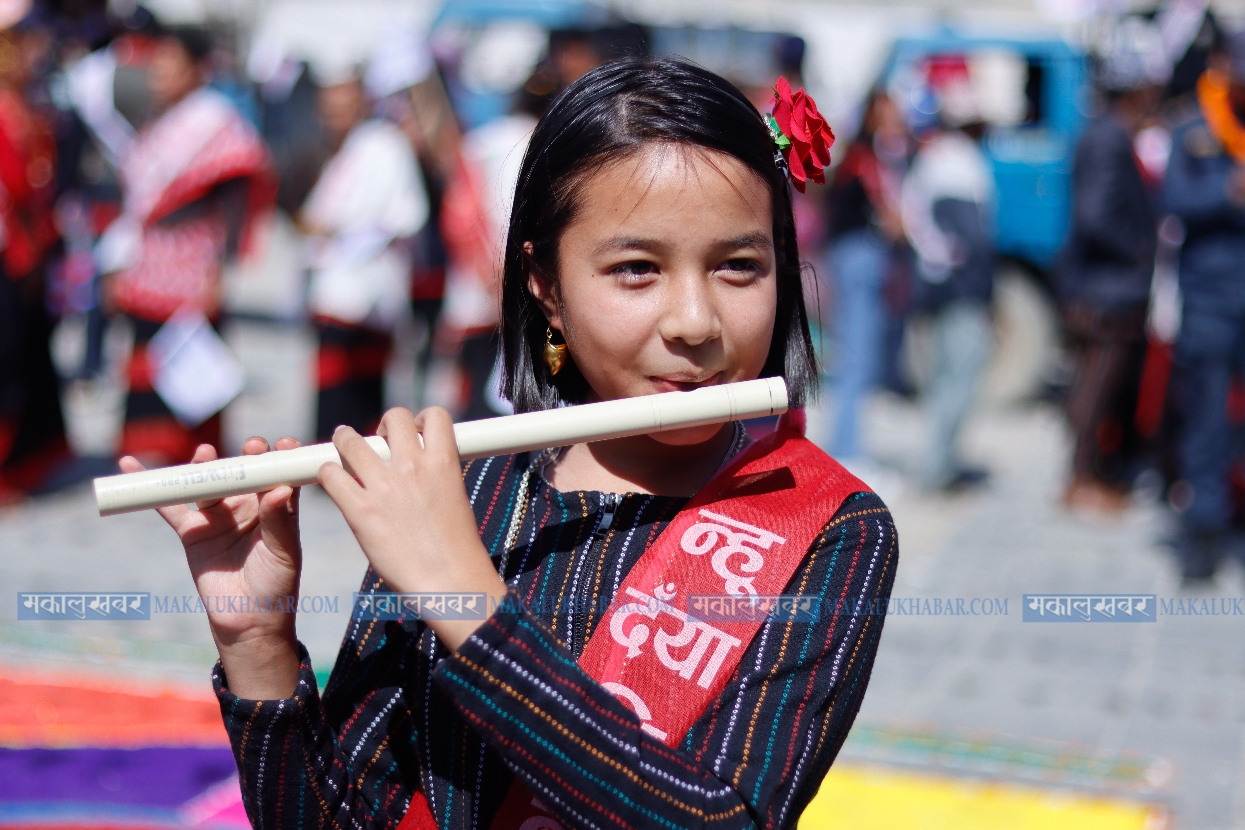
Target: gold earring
{"x":555,"y":354}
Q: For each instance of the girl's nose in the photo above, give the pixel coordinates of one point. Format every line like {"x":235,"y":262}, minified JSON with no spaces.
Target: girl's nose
{"x":690,"y":315}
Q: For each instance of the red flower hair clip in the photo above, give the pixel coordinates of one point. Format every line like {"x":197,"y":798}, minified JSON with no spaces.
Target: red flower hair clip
{"x":801,"y":134}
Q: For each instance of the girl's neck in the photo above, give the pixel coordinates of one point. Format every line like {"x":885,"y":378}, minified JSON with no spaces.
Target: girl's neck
{"x":641,"y":465}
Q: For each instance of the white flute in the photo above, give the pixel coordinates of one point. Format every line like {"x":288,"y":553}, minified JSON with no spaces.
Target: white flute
{"x":620,"y":418}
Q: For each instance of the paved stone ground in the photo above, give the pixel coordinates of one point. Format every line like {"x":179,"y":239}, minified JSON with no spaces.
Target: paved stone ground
{"x":1167,"y":694}
{"x":1164,"y":702}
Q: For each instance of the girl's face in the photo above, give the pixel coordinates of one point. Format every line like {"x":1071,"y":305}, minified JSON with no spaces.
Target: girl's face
{"x":666,"y":277}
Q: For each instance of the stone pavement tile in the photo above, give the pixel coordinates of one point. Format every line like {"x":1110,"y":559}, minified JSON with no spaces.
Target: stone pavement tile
{"x":1205,"y":777}
{"x":280,"y":370}
{"x":1173,"y":689}
{"x":65,"y":546}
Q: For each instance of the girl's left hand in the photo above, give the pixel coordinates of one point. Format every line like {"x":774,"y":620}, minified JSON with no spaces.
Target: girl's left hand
{"x":411,"y":516}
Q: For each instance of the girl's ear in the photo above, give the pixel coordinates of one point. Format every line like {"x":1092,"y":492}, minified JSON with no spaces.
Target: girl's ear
{"x":544,"y":289}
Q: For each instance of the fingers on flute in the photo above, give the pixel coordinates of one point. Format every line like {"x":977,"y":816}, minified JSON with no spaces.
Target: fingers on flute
{"x":276,"y":511}
{"x":255,"y":445}
{"x":357,"y":457}
{"x":437,"y":428}
{"x":340,"y":485}
{"x":398,"y":428}
{"x":206,"y":452}
{"x":174,"y":514}
{"x":288,"y":443}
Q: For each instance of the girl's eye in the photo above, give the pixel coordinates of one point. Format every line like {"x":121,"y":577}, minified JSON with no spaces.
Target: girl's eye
{"x":740,"y":267}
{"x":636,"y":269}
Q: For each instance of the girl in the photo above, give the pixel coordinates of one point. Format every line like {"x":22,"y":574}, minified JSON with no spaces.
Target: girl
{"x":651,"y":249}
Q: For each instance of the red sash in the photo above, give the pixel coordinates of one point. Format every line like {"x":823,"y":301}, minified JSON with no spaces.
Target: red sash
{"x":743,"y":535}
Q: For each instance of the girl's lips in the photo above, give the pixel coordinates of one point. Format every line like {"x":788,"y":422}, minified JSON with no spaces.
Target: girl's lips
{"x":680,"y":385}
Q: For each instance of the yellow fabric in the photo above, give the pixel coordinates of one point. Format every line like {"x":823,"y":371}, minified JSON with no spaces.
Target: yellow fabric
{"x":1212,"y":98}
{"x":863,"y":798}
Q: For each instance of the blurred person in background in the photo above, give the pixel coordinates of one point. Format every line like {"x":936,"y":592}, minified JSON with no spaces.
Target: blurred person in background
{"x":948,"y":201}
{"x":407,"y":84}
{"x":865,"y":227}
{"x":1105,"y":271}
{"x":367,"y":204}
{"x":1205,"y":188}
{"x":32,"y":432}
{"x":194,"y":180}
{"x":474,"y":218}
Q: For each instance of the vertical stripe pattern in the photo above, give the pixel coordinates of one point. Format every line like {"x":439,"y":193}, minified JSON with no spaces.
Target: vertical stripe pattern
{"x":400,"y":713}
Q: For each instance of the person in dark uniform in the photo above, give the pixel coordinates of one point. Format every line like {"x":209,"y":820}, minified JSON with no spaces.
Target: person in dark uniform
{"x":1104,"y":276}
{"x":1205,"y":187}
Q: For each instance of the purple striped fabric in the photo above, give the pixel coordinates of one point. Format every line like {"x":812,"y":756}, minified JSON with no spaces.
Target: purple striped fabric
{"x":158,"y":777}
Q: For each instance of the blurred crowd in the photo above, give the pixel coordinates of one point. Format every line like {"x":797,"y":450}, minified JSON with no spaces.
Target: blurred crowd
{"x":1149,"y":285}
{"x":138,"y":159}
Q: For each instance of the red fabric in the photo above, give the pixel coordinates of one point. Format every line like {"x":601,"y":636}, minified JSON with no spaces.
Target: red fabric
{"x":1236,"y":402}
{"x":8,"y":431}
{"x":102,"y":215}
{"x":180,"y":265}
{"x":335,"y":365}
{"x":418,"y":815}
{"x":332,"y":367}
{"x":428,"y":283}
{"x":18,"y":479}
{"x":27,"y":164}
{"x":233,"y":156}
{"x":1152,"y":395}
{"x":94,"y":712}
{"x":466,"y":226}
{"x":945,"y":70}
{"x":140,"y":369}
{"x":165,"y":441}
{"x":861,"y":163}
{"x":1151,"y":181}
{"x":759,"y":490}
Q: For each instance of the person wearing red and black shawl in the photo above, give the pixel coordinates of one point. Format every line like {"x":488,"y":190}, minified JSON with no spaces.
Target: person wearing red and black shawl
{"x":194,"y":182}
{"x":32,"y":432}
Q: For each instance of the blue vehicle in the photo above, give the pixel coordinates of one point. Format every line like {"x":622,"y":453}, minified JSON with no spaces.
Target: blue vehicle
{"x":1032,"y":156}
{"x":748,"y":57}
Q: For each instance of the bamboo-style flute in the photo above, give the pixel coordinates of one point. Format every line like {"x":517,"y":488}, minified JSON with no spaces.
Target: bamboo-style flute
{"x":560,"y":427}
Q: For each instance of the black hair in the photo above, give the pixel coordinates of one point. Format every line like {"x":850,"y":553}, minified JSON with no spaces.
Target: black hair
{"x":196,"y":41}
{"x":608,"y":113}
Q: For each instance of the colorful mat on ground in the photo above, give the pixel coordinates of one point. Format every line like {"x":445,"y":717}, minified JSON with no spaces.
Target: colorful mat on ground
{"x":90,"y":755}
{"x":862,"y":798}
{"x":83,"y":754}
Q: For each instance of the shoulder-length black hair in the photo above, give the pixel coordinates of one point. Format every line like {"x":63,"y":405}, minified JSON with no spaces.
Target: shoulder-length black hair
{"x":606,"y":114}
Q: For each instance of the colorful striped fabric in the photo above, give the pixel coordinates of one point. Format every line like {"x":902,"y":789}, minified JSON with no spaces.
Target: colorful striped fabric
{"x":77,"y":752}
{"x":400,"y":713}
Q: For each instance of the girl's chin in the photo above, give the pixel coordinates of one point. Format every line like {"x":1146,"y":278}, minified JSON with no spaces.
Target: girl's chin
{"x":687,"y":437}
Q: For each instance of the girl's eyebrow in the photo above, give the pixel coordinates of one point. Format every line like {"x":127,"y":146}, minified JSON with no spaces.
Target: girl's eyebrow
{"x":747,"y":240}
{"x":629,"y":243}
{"x":638,"y":243}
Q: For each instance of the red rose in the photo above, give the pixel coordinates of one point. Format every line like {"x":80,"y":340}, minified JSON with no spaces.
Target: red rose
{"x":810,"y":136}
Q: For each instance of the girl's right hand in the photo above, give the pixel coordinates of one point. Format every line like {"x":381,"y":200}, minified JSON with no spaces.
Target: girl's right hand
{"x":245,"y":557}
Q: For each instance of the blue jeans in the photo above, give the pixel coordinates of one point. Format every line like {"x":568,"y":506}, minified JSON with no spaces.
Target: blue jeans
{"x":963,"y":341}
{"x":858,"y":266}
{"x":1211,"y":345}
